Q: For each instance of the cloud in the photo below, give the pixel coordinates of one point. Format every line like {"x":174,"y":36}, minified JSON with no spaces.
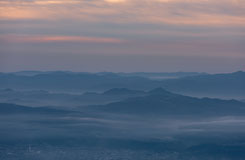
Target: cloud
{"x":195,"y":32}
{"x":55,"y":2}
{"x":176,"y":12}
{"x":55,"y":39}
{"x":115,"y":1}
{"x":223,"y":124}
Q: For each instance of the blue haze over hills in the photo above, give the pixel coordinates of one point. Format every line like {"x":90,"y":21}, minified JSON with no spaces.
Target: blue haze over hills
{"x":68,"y":115}
{"x":196,"y":84}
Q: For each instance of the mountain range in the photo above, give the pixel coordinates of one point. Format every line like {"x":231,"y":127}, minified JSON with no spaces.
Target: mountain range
{"x":157,"y":122}
{"x":229,"y":85}
{"x":159,"y":102}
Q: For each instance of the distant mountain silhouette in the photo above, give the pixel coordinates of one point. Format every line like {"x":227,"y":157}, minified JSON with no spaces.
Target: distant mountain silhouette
{"x":161,"y":75}
{"x":151,"y":75}
{"x":37,"y":98}
{"x":6,"y":108}
{"x":66,"y":81}
{"x":221,"y":85}
{"x":214,"y":85}
{"x":162,"y":102}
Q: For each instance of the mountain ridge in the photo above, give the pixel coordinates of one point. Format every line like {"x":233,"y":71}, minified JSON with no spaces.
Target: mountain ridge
{"x":161,"y":102}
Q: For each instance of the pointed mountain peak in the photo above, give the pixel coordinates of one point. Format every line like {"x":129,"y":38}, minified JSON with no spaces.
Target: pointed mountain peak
{"x":239,"y":72}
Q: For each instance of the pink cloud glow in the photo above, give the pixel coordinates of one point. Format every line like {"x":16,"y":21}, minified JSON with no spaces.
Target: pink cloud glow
{"x":55,"y":39}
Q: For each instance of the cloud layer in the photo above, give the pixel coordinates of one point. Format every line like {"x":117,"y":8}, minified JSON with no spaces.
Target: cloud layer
{"x":187,"y":12}
{"x":179,"y":28}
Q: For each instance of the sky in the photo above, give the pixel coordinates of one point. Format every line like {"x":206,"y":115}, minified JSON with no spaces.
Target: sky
{"x":122,"y":35}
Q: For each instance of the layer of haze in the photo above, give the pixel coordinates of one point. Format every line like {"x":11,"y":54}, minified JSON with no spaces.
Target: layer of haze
{"x":122,"y":35}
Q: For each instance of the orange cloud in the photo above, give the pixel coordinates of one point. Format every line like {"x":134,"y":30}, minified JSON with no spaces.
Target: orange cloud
{"x":115,"y":1}
{"x":56,"y":39}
